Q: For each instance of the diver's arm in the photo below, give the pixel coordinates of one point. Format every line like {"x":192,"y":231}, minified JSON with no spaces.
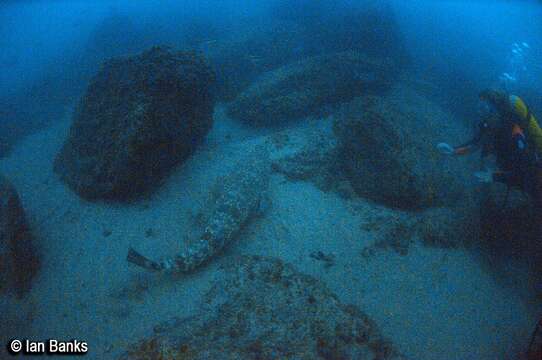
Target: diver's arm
{"x":466,"y":148}
{"x":469,"y":146}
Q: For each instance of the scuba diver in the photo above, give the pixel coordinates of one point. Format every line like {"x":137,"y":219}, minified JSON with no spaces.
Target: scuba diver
{"x":509,"y":131}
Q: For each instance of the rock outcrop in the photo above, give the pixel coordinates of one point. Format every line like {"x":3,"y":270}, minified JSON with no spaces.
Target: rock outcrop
{"x":389,"y":155}
{"x":309,"y":87}
{"x":307,"y":154}
{"x":18,"y":260}
{"x":140,"y":117}
{"x":262,"y":308}
{"x":510,"y":224}
{"x":295,"y":30}
{"x":444,"y":228}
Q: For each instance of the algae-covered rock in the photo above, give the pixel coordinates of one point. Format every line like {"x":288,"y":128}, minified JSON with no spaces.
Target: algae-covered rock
{"x":140,"y":116}
{"x":18,"y":260}
{"x":307,"y":154}
{"x":263,"y":308}
{"x":295,"y":30}
{"x":307,"y":87}
{"x":510,"y":223}
{"x":388,"y":147}
{"x":449,"y":227}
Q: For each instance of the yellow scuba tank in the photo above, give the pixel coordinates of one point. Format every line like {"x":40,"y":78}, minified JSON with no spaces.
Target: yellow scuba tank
{"x":527,"y":122}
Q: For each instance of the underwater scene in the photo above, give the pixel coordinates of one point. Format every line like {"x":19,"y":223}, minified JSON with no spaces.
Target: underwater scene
{"x":275,"y":179}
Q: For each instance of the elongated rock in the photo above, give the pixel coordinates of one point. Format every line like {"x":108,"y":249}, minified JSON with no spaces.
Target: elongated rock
{"x":309,"y":86}
{"x":233,"y":202}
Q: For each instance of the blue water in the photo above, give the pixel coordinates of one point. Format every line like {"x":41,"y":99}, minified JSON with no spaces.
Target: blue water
{"x":475,"y":302}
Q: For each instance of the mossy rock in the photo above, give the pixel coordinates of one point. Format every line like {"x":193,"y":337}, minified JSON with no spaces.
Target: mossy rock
{"x":309,"y":87}
{"x":141,"y":116}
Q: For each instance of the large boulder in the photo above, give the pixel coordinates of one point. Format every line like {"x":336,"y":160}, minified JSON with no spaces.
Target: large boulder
{"x":62,"y":80}
{"x":18,"y":260}
{"x":294,"y":30}
{"x":388,"y":147}
{"x":310,"y":86}
{"x":141,"y":116}
{"x":262,"y":308}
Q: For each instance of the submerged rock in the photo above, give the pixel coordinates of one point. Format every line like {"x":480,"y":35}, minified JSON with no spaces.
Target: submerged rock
{"x":295,"y":30}
{"x":18,"y":260}
{"x":308,"y":154}
{"x":388,"y":151}
{"x":511,"y":225}
{"x":309,"y":86}
{"x":141,"y":116}
{"x":233,"y":201}
{"x":444,"y":228}
{"x":262,"y":308}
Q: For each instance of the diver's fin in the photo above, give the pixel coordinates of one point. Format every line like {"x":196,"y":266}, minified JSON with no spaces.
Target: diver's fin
{"x":136,"y":258}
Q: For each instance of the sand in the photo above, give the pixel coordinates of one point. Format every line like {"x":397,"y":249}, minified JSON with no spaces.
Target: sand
{"x":433,"y":303}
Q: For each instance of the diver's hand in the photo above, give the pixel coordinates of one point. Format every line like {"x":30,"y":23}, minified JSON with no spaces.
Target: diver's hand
{"x":484,"y":177}
{"x":445,"y":149}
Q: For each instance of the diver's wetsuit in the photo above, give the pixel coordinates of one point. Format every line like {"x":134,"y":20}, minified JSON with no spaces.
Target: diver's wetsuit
{"x":516,"y":160}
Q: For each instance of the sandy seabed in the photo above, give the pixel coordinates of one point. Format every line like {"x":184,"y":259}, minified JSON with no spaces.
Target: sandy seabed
{"x":432,"y":303}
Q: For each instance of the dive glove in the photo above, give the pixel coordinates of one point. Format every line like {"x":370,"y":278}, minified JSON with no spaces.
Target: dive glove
{"x":445,"y":149}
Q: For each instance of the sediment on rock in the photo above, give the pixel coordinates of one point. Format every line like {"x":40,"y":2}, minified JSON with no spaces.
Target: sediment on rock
{"x":388,"y":151}
{"x":309,"y":87}
{"x":139,"y":118}
{"x":263,"y":308}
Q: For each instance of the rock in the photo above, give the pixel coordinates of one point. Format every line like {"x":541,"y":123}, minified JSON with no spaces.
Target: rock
{"x":294,"y":30}
{"x":61,"y":81}
{"x":443,"y":228}
{"x":310,"y":86}
{"x":140,"y":117}
{"x":307,"y":154}
{"x":234,"y":200}
{"x":510,"y":224}
{"x":262,"y":308}
{"x":388,"y":152}
{"x":18,"y":260}
{"x":449,"y":227}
